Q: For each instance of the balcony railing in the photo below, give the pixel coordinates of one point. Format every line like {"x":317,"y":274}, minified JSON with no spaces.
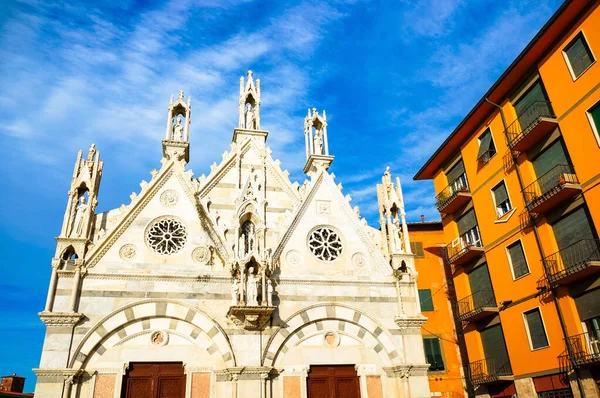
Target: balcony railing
{"x":585,"y":348}
{"x":574,"y":262}
{"x":455,"y":195}
{"x":536,"y":121}
{"x":466,"y":248}
{"x":490,"y":370}
{"x":555,"y":186}
{"x":479,"y":305}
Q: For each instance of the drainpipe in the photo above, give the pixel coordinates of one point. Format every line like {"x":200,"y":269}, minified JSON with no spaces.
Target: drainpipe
{"x":563,"y":325}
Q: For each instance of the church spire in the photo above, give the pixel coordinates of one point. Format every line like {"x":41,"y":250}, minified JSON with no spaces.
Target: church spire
{"x":316,"y":142}
{"x":392,"y":216}
{"x":177,"y":136}
{"x":249,"y":107}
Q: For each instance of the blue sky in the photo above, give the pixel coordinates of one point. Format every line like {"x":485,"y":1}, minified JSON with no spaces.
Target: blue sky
{"x":395,"y":78}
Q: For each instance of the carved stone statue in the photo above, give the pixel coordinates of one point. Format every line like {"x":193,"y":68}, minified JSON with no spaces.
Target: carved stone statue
{"x":80,"y":213}
{"x":235,"y":290}
{"x":252,"y":288}
{"x":269,"y":293}
{"x":91,"y":152}
{"x":318,"y":142}
{"x":396,"y":238}
{"x":178,"y":130}
{"x":249,"y":118}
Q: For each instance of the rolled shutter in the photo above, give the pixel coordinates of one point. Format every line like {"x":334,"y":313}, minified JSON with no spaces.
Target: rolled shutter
{"x":536,"y":329}
{"x":467,"y":222}
{"x":417,"y":249}
{"x":552,"y":156}
{"x":500,"y":194}
{"x":579,"y":55}
{"x":484,"y":144}
{"x":494,"y":346}
{"x":572,"y":228}
{"x":527,"y":113}
{"x":587,"y":305}
{"x":456,"y":171}
{"x":517,"y":259}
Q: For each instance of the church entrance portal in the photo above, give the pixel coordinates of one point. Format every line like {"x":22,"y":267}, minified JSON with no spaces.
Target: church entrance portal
{"x":154,"y":380}
{"x":339,"y":381}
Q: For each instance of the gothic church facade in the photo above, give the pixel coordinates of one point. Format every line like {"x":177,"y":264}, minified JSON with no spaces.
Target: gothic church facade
{"x":235,"y":284}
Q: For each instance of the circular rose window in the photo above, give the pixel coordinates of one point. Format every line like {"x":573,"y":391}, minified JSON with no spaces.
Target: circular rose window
{"x":325,"y":244}
{"x":166,"y":236}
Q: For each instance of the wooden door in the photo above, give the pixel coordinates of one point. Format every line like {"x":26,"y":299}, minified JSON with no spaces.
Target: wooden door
{"x":154,"y":380}
{"x":333,"y":382}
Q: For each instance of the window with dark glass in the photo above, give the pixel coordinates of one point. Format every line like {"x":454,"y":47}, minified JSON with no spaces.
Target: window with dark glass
{"x":579,"y":55}
{"x":535,"y":327}
{"x":426,"y":300}
{"x":501,"y":199}
{"x":433,"y":353}
{"x":594,"y":116}
{"x":487,"y":149}
{"x":517,"y":259}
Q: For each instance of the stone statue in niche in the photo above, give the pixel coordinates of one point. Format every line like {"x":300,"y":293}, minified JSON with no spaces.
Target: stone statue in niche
{"x":178,"y":130}
{"x":269,"y":293}
{"x":91,"y":153}
{"x":82,"y":209}
{"x":235,"y":291}
{"x":252,"y":287}
{"x":249,"y":118}
{"x":396,"y":236}
{"x":318,"y":142}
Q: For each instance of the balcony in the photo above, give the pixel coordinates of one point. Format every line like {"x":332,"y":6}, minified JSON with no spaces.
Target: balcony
{"x":585,"y":349}
{"x":466,"y":248}
{"x":490,"y":370}
{"x":479,"y":305}
{"x":534,"y":123}
{"x":454,"y":196}
{"x":573,"y":263}
{"x":556,"y":186}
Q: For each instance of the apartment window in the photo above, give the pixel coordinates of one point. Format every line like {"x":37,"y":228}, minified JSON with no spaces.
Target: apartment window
{"x":518,"y":262}
{"x":594,"y":116}
{"x":501,"y":199}
{"x":487,"y":149}
{"x":425,"y":299}
{"x":433,"y":353}
{"x":535,"y":328}
{"x":578,"y":55}
{"x":468,"y":230}
{"x":417,"y":249}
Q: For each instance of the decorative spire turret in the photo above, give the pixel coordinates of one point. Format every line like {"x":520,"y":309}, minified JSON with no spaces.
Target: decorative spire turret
{"x":177,"y":136}
{"x":249,"y":107}
{"x":317,"y":144}
{"x":392,"y":216}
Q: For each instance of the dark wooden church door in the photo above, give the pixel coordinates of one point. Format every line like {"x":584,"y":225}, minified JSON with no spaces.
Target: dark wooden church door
{"x":333,"y":382}
{"x":154,"y":380}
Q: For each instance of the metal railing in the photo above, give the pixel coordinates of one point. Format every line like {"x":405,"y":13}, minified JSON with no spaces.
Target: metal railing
{"x":489,"y":369}
{"x":466,"y":242}
{"x":527,"y":120}
{"x":585,"y":348}
{"x":458,"y":185}
{"x":573,"y":258}
{"x":487,"y":155}
{"x":475,"y":303}
{"x":549,"y":183}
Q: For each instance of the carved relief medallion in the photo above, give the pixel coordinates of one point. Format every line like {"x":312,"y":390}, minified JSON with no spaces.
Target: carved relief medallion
{"x":201,"y":255}
{"x":169,"y":198}
{"x":159,"y":338}
{"x":359,"y":260}
{"x":127,"y":252}
{"x":293,"y":258}
{"x":331,"y":339}
{"x":323,"y":207}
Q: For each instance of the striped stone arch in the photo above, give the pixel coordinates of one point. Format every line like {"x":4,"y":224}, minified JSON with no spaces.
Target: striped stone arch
{"x":151,"y":314}
{"x":341,"y":318}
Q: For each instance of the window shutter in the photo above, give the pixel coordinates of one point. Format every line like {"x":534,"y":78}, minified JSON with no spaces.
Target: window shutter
{"x":572,"y":228}
{"x":425,"y":300}
{"x":579,"y":55}
{"x":587,"y":305}
{"x":479,"y":279}
{"x":429,"y":356}
{"x":494,"y":345}
{"x":500,"y":193}
{"x":536,"y":329}
{"x":466,"y":222}
{"x":417,"y":249}
{"x":595,"y":113}
{"x":527,"y":113}
{"x":485,"y":143}
{"x":433,"y":353}
{"x":517,"y":259}
{"x":455,"y":171}
{"x":552,"y":156}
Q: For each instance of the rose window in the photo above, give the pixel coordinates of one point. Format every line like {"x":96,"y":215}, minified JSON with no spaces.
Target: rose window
{"x":166,"y":236}
{"x":325,"y":244}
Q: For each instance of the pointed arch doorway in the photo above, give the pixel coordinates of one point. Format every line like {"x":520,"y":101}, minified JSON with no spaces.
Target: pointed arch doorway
{"x":154,"y":380}
{"x":333,"y":381}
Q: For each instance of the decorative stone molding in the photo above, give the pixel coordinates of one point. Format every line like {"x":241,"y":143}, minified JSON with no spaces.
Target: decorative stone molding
{"x":250,"y":317}
{"x":169,"y":198}
{"x":159,"y":338}
{"x":366,"y":370}
{"x":60,"y":318}
{"x":128,"y":251}
{"x":359,"y":260}
{"x":331,"y":338}
{"x":407,"y":370}
{"x":410,"y":325}
{"x":201,"y":255}
{"x":65,"y":372}
{"x":296,"y":370}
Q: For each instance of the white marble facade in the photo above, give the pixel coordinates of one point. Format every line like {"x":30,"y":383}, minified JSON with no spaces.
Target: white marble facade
{"x":242,"y":275}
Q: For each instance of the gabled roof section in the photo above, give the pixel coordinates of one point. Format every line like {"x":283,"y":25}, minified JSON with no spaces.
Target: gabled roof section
{"x":557,"y":26}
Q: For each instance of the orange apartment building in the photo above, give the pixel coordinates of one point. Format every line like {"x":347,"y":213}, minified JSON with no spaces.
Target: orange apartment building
{"x":436,"y":296}
{"x":517,"y":184}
